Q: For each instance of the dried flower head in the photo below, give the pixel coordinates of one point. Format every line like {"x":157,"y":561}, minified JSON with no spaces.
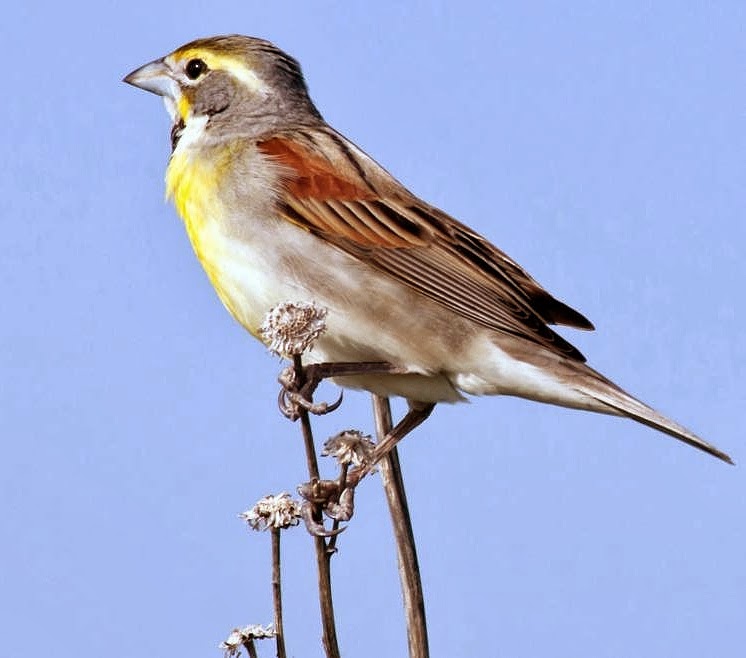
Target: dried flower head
{"x":291,"y":328}
{"x":240,"y":636}
{"x":273,"y":512}
{"x":349,"y":447}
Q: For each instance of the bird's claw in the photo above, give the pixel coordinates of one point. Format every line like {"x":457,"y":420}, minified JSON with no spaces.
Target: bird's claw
{"x":314,"y":527}
{"x":343,"y":509}
{"x":293,"y":398}
{"x":291,"y":402}
{"x":325,"y":495}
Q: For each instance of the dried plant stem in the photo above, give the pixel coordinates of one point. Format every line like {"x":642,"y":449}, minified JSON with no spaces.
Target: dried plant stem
{"x":325,"y":599}
{"x":277,"y":593}
{"x":250,"y":648}
{"x":305,"y":422}
{"x":409,"y":570}
{"x":323,"y":556}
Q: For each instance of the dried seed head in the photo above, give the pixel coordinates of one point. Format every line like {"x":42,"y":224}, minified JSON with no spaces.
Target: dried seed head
{"x":240,"y":636}
{"x":291,"y":328}
{"x":349,"y":447}
{"x":273,"y":512}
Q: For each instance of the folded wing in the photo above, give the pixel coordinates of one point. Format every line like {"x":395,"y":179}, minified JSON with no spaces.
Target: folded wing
{"x":334,"y":190}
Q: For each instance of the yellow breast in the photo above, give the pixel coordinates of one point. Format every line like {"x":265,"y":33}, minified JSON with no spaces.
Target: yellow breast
{"x":193,"y":183}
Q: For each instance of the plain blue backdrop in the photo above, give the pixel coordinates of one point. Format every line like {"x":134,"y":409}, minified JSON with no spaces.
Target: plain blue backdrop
{"x":601,"y":144}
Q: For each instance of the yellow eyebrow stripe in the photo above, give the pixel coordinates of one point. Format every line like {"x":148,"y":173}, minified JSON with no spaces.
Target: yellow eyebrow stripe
{"x":233,"y":65}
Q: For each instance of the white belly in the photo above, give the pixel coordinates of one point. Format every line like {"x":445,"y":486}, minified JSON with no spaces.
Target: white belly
{"x":257,"y":264}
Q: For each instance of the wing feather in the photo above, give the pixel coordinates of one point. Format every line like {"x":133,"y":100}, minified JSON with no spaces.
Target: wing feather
{"x":346,"y":198}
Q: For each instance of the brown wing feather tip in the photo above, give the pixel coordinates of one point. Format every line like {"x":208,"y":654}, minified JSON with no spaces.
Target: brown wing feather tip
{"x":569,"y":317}
{"x":557,"y":312}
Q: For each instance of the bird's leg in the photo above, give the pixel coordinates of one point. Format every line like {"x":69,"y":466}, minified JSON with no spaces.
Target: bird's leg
{"x":296,"y":394}
{"x":417,"y":414}
{"x":335,"y":498}
{"x":318,"y":371}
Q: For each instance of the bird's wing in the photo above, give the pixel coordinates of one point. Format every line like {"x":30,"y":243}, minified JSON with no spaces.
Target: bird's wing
{"x":335,"y":191}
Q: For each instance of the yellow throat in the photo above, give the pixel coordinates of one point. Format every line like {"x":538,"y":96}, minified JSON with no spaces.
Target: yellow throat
{"x":193,"y":183}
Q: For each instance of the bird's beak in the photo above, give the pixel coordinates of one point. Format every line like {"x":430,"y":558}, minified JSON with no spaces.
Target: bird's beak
{"x":154,"y":77}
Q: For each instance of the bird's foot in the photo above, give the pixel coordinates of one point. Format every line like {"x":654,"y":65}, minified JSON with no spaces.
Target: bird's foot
{"x":298,"y":387}
{"x":295,"y":396}
{"x":327,"y":496}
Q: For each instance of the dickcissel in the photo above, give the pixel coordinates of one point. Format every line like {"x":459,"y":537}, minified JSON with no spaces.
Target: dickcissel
{"x":280,"y":207}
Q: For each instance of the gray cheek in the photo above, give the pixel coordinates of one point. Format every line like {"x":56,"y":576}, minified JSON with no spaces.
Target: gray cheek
{"x":214,"y":97}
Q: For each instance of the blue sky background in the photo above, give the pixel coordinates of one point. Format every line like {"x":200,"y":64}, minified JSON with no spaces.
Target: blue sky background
{"x":601,"y":145}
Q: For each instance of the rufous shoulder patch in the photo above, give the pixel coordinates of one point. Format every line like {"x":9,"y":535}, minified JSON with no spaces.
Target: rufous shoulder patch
{"x":312,"y":175}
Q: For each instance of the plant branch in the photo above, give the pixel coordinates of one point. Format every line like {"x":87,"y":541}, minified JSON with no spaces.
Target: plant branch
{"x":277,"y":593}
{"x":323,"y":556}
{"x":406,"y":550}
{"x":305,"y":422}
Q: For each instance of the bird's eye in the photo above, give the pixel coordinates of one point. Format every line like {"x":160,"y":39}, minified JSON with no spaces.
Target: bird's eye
{"x":195,"y":68}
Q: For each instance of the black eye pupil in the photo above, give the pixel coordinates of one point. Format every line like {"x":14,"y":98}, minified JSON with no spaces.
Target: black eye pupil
{"x":195,"y":68}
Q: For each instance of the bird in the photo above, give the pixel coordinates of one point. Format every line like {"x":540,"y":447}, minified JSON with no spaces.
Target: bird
{"x":280,"y":206}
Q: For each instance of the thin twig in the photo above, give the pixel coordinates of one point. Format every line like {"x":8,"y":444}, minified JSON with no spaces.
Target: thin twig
{"x":323,"y":557}
{"x":313,"y":466}
{"x":406,"y":551}
{"x":250,"y":648}
{"x":277,"y":593}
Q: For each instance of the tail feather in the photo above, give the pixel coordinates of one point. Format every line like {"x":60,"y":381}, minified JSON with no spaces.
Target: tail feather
{"x":619,"y":402}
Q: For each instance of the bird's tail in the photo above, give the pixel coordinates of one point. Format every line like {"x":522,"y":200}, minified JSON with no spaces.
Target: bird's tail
{"x":616,"y":401}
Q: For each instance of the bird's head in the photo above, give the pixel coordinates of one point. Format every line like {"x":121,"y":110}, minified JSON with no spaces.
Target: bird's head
{"x":233,"y":85}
